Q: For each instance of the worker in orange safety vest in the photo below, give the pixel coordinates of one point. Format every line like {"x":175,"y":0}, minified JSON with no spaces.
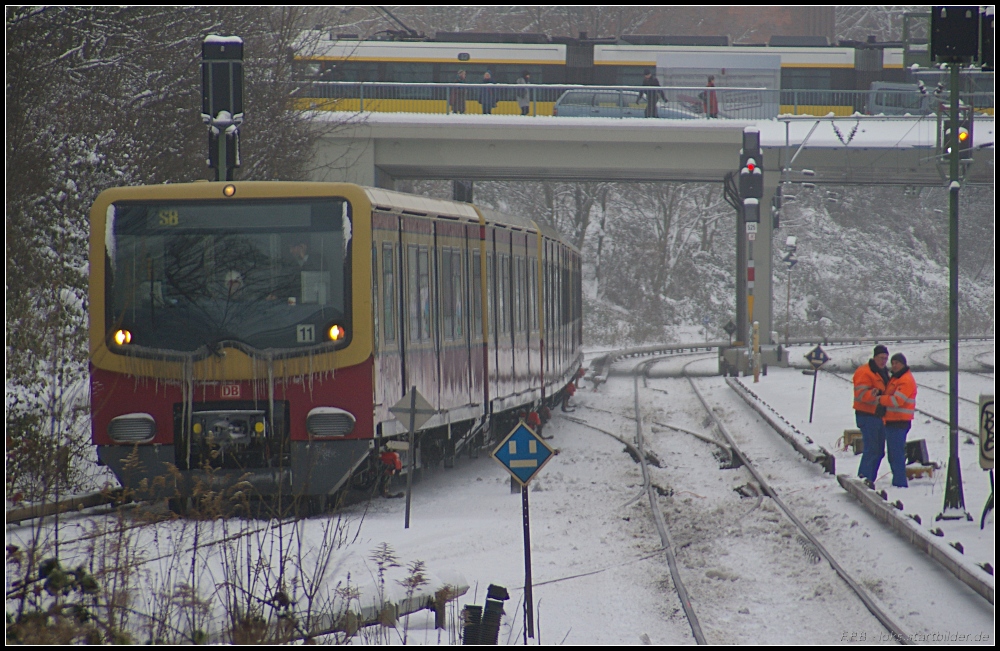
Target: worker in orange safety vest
{"x":870,"y":381}
{"x":900,"y":403}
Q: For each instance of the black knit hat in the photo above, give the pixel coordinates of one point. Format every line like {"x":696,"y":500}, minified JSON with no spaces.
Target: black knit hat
{"x":880,"y":350}
{"x":899,"y":357}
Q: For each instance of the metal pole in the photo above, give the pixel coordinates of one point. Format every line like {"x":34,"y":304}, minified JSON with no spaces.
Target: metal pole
{"x":220,"y":171}
{"x":756,"y":351}
{"x":529,"y":609}
{"x":412,"y":454}
{"x":954,"y":495}
{"x":788,"y":306}
{"x":812,"y":402}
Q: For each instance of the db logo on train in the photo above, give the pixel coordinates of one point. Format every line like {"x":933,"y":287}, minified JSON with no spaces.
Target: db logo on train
{"x":230,"y":391}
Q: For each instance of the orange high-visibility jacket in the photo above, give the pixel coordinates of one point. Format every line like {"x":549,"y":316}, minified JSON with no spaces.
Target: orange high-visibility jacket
{"x":866,"y":381}
{"x":900,"y":397}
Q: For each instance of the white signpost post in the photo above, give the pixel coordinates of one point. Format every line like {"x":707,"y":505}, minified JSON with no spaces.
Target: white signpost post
{"x":523,"y":453}
{"x":412,"y":410}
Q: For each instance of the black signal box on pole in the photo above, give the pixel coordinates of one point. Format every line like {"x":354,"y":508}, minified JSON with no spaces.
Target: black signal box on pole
{"x":222,"y":75}
{"x":955,"y":34}
{"x":751,"y":175}
{"x":986,"y":34}
{"x":222,"y":101}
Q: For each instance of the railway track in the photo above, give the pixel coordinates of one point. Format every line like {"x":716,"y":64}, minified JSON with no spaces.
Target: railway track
{"x":687,"y":535}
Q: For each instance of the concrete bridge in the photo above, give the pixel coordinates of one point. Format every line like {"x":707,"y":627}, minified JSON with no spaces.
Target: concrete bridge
{"x":376,"y":149}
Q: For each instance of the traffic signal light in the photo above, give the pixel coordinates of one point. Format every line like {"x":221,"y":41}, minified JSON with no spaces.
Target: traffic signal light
{"x":751,"y":165}
{"x":960,"y":137}
{"x":954,"y":34}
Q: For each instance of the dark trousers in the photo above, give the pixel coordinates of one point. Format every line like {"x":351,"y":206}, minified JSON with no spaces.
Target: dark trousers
{"x":873,"y":438}
{"x":895,"y":445}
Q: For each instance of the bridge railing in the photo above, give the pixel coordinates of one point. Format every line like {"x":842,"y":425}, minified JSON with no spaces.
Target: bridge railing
{"x":540,"y":100}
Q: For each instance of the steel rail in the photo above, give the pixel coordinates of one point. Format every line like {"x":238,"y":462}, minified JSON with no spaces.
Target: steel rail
{"x":869,"y":603}
{"x":659,"y":520}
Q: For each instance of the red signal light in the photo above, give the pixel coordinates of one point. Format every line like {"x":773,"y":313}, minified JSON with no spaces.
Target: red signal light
{"x":750,"y":167}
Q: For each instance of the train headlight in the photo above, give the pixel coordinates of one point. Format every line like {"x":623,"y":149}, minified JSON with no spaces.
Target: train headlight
{"x":336,"y":332}
{"x":132,"y":428}
{"x":123,"y":337}
{"x":259,"y":427}
{"x":229,"y":190}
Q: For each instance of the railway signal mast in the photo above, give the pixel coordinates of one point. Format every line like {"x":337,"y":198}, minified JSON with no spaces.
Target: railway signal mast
{"x":955,"y":41}
{"x":222,"y":101}
{"x":751,"y":185}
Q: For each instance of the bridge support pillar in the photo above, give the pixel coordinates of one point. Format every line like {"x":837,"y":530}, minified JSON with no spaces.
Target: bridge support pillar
{"x":348,"y":156}
{"x":461,"y":191}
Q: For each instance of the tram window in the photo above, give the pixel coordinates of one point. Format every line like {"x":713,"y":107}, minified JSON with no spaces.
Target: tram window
{"x":388,"y":292}
{"x":805,"y":79}
{"x":411,"y":73}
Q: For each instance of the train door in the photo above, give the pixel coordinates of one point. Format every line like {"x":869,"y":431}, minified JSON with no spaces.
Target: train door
{"x":454,"y":358}
{"x":420,"y":327}
{"x":479,"y":342}
{"x":389,"y":358}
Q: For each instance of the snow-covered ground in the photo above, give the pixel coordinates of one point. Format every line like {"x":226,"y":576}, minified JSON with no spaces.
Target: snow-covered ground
{"x":598,"y":571}
{"x":749,"y":575}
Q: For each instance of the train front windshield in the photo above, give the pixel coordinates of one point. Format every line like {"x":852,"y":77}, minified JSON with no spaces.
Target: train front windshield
{"x":267,"y":274}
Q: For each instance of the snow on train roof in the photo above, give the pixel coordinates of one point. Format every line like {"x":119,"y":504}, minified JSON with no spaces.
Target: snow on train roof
{"x":399,"y":202}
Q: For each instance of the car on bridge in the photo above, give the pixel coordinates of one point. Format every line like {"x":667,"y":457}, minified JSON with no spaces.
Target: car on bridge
{"x":611,"y":103}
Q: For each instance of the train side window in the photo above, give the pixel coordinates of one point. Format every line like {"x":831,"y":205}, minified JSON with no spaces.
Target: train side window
{"x":491,"y":291}
{"x":520,"y":301}
{"x":388,"y":292}
{"x":423,"y":271}
{"x":457,"y":293}
{"x":477,"y":294}
{"x":375,"y":296}
{"x":418,"y":268}
{"x":532,"y":295}
{"x":447,"y":296}
{"x":414,"y":296}
{"x":504,"y":293}
{"x":567,"y":308}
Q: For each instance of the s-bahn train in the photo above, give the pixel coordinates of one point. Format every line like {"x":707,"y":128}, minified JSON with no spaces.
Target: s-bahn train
{"x":794,"y":65}
{"x":263,"y":330}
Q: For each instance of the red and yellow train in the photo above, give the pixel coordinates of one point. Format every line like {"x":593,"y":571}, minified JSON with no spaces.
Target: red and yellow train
{"x":260,"y":331}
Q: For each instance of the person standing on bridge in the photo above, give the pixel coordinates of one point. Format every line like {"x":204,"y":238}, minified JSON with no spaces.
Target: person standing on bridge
{"x":488,"y":96}
{"x":898,"y":403}
{"x":710,"y":103}
{"x":652,"y":96}
{"x":870,"y":382}
{"x":457,"y":98}
{"x":523,"y":100}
